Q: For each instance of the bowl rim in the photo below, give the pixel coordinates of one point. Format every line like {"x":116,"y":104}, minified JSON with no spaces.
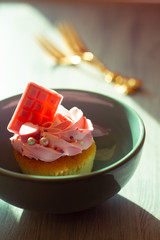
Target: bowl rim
{"x":104,"y":170}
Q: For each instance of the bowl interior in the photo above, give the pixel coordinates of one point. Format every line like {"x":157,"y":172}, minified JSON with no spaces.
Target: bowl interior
{"x":118,"y":129}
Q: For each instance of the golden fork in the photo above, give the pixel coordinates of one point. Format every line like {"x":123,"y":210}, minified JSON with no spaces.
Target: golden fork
{"x":125,"y":85}
{"x":54,"y":52}
{"x":80,"y":53}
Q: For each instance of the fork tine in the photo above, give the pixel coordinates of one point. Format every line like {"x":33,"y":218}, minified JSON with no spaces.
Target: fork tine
{"x":67,"y":37}
{"x":72,"y":37}
{"x":50,"y":48}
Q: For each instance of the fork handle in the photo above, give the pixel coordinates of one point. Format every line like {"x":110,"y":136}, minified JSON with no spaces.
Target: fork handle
{"x":125,"y":84}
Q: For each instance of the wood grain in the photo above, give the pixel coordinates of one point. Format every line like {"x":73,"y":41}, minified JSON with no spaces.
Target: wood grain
{"x":126,"y":38}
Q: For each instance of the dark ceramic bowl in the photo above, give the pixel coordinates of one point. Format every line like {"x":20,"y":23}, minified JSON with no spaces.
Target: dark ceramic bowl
{"x":119,"y":135}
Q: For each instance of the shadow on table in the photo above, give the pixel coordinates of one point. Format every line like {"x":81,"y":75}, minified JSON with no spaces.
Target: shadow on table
{"x":118,"y":218}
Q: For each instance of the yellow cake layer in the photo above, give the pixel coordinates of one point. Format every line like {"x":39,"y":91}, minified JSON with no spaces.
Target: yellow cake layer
{"x":68,"y":165}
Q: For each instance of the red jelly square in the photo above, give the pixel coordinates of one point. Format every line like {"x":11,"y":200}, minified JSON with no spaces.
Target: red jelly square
{"x":28,"y":103}
{"x":43,"y":96}
{"x":32,"y":91}
{"x":49,"y":112}
{"x":23,"y":114}
{"x":37,"y":105}
{"x":52,"y":101}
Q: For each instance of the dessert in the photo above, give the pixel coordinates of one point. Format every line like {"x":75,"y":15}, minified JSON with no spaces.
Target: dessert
{"x":49,"y":139}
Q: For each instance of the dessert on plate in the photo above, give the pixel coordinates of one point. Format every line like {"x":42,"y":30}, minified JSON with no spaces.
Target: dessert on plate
{"x":48,"y":139}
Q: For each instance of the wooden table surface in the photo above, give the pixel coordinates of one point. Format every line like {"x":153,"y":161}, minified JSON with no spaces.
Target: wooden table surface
{"x":126,"y":37}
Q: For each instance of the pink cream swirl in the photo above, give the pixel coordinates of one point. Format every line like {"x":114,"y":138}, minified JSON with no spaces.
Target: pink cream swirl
{"x":68,"y":135}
